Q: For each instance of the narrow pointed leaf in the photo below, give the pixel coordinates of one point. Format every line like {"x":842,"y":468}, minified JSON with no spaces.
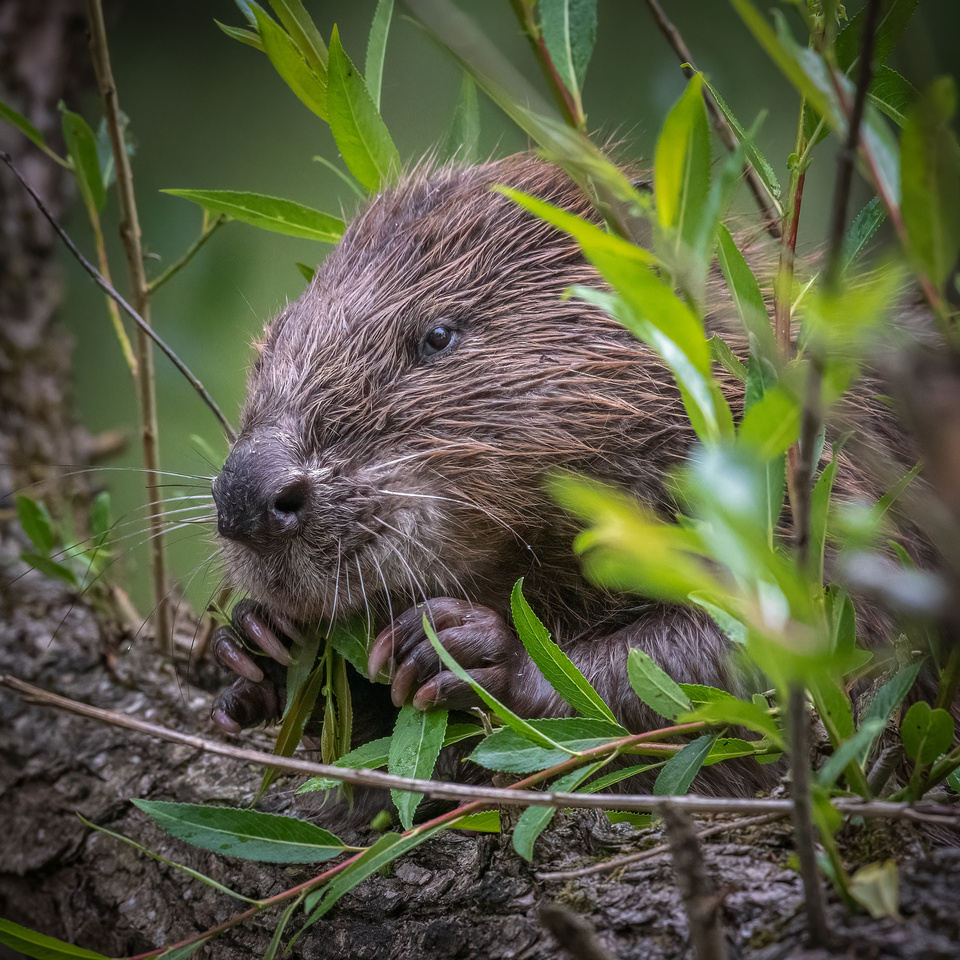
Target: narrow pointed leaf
{"x":534,"y":820}
{"x":308,"y":85}
{"x":355,"y":122}
{"x":82,"y":146}
{"x":464,"y":133}
{"x":249,"y":37}
{"x":559,"y":670}
{"x":930,"y":172}
{"x":38,"y":945}
{"x":377,"y":48}
{"x":247,"y":834}
{"x":681,"y":165}
{"x":304,"y":33}
{"x":414,"y":748}
{"x":268,"y":213}
{"x":654,"y":687}
{"x":678,"y":772}
{"x":569,"y":31}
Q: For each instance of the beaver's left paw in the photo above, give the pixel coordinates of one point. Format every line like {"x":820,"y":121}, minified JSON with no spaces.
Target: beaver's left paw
{"x":476,"y":637}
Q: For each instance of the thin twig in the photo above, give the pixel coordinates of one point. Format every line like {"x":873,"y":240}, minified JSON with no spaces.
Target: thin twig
{"x":188,"y":254}
{"x":804,"y":830}
{"x":812,"y":419}
{"x":701,"y":899}
{"x":922,"y":812}
{"x":568,"y":101}
{"x":111,"y":292}
{"x":146,"y":381}
{"x":771,"y":218}
{"x":661,"y":849}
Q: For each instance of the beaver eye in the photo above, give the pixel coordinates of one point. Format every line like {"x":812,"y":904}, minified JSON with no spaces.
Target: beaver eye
{"x":439,"y":339}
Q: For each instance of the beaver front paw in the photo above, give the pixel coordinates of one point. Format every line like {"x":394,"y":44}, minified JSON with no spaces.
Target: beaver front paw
{"x":258,"y":693}
{"x":476,"y":637}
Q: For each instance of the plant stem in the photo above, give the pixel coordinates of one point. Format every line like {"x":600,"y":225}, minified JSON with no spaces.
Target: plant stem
{"x":187,"y":256}
{"x":771,"y":218}
{"x":111,"y":292}
{"x":568,"y":102}
{"x":804,"y":830}
{"x":140,"y":295}
{"x":812,"y":420}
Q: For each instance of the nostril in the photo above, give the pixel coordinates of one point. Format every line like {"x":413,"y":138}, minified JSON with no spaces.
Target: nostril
{"x":292,"y":498}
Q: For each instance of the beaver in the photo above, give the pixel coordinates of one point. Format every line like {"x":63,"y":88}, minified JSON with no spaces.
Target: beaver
{"x":400,"y":422}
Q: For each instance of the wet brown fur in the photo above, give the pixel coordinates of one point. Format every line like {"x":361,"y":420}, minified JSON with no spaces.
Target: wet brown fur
{"x":430,"y":473}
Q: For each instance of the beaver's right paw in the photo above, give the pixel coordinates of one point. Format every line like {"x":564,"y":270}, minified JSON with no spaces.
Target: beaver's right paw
{"x":258,"y":693}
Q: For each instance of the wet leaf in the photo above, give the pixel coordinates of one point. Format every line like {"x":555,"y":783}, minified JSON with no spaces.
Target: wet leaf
{"x":247,"y":834}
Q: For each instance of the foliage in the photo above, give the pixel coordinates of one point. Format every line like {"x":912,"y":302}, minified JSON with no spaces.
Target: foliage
{"x":725,"y":552}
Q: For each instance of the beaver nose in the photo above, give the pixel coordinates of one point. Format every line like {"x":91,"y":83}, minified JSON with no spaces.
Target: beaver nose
{"x":260,"y":498}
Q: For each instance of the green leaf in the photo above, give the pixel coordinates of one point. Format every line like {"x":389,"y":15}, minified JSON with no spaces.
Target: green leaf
{"x":652,"y":685}
{"x":877,"y":887}
{"x":414,"y":748}
{"x":19,"y":121}
{"x":384,"y":851}
{"x":81,"y":144}
{"x":488,"y":821}
{"x":930,"y":181}
{"x":926,"y":733}
{"x":37,"y":523}
{"x":351,"y":639}
{"x":731,"y":748}
{"x":678,"y":772}
{"x":722,"y":354}
{"x":626,"y":548}
{"x":523,"y":727}
{"x":51,"y":568}
{"x":268,"y":213}
{"x":560,"y":671}
{"x":355,"y":122}
{"x":303,"y":31}
{"x":309,"y":86}
{"x":569,"y":30}
{"x":850,"y":751}
{"x":654,"y":314}
{"x":509,"y":751}
{"x":864,"y":226}
{"x":681,"y":168}
{"x":99,"y":516}
{"x":377,"y":48}
{"x":893,"y":21}
{"x":249,"y":37}
{"x":736,"y":712}
{"x":247,"y":834}
{"x":771,"y":425}
{"x":534,"y":820}
{"x":745,"y":290}
{"x":887,"y":699}
{"x":892,"y":94}
{"x":463,"y":136}
{"x":39,"y":945}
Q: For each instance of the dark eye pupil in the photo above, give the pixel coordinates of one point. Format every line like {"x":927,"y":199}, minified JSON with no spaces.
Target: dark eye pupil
{"x":438,"y":338}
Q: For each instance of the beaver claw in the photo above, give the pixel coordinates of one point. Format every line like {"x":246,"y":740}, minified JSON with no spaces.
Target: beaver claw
{"x":477,"y":637}
{"x":257,"y":695}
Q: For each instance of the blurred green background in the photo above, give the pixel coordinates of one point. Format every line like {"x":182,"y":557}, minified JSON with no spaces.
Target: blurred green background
{"x":208,"y":112}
